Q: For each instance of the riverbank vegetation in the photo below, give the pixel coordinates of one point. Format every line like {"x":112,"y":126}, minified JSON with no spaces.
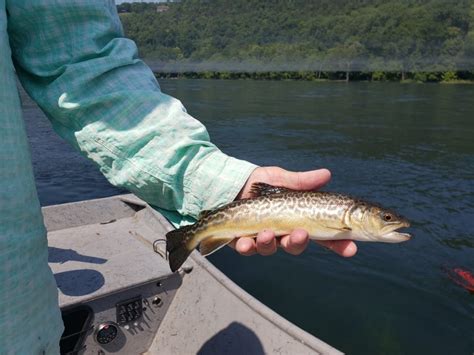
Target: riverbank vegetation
{"x":389,"y":40}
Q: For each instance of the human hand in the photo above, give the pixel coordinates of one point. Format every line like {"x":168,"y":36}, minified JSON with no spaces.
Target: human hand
{"x":296,"y":242}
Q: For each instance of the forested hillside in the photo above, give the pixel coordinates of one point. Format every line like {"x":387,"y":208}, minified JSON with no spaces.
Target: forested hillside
{"x":406,"y":37}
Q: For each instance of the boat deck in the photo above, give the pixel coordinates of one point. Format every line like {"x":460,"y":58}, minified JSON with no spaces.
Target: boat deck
{"x":102,"y":254}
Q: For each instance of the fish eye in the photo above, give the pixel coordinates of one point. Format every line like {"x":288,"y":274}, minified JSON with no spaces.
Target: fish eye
{"x":387,"y":217}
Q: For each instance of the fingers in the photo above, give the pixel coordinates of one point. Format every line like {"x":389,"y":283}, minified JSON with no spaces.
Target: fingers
{"x":296,"y":242}
{"x":266,"y":243}
{"x":307,"y":180}
{"x":244,"y":246}
{"x":345,"y":248}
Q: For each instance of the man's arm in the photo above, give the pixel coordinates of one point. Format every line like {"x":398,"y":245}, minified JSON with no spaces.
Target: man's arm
{"x":73,"y":60}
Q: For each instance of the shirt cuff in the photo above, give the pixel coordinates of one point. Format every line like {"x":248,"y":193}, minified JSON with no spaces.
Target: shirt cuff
{"x":217,"y":180}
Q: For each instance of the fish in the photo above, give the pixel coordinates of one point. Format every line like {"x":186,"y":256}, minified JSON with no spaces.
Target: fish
{"x":324,"y":215}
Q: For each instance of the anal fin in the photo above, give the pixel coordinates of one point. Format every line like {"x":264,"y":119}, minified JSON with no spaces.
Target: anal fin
{"x":212,"y":244}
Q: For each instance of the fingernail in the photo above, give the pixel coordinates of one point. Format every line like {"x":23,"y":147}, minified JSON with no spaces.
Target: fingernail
{"x":267,"y":240}
{"x":245,"y":246}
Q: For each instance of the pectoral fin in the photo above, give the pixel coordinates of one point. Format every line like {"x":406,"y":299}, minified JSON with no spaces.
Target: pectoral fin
{"x":212,"y":244}
{"x":342,"y":233}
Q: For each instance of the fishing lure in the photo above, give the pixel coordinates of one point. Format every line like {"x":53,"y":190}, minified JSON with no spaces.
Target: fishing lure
{"x":462,"y":278}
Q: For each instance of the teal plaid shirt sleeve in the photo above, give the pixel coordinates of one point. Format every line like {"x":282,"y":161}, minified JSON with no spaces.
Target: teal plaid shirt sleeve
{"x":73,"y":60}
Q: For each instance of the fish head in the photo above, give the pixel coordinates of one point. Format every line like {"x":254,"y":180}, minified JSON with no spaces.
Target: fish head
{"x":378,"y":224}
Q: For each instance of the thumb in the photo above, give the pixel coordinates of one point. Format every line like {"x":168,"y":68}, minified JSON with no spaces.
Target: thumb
{"x":307,"y":180}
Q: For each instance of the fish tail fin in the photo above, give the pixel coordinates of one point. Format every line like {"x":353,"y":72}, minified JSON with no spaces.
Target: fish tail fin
{"x":177,"y":247}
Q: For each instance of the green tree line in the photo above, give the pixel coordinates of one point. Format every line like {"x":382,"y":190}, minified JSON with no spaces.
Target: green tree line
{"x":423,"y":40}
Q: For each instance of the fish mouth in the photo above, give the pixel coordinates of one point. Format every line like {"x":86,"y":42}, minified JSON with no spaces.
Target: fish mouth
{"x":394,"y":236}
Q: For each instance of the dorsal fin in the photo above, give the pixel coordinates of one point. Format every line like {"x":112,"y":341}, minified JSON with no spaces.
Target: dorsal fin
{"x":204,"y":213}
{"x":262,"y":189}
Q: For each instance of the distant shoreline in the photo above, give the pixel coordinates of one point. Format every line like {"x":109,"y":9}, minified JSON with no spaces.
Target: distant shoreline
{"x":337,"y":77}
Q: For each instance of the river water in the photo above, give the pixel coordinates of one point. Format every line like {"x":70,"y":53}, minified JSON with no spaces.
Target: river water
{"x":409,"y":147}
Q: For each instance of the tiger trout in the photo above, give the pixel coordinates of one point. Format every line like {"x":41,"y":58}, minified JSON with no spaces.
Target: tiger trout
{"x":324,"y":215}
